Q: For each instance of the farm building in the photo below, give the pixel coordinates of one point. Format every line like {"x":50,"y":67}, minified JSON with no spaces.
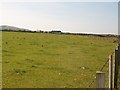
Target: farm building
{"x":56,"y":32}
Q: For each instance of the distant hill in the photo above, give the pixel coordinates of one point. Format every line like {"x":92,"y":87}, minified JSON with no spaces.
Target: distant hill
{"x":12,"y":28}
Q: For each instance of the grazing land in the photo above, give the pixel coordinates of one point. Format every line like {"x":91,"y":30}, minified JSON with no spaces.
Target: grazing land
{"x":39,"y":60}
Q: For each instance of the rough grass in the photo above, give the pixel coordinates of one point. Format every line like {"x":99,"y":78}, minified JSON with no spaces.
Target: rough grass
{"x":36,"y":60}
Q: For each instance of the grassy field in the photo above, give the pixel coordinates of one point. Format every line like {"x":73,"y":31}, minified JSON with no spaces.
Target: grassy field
{"x":38,"y":60}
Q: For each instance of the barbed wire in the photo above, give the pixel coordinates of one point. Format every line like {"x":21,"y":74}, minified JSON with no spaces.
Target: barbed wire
{"x":92,"y":81}
{"x":104,"y":65}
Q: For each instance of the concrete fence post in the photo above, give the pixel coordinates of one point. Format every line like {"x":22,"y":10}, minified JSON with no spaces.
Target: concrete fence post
{"x":100,"y":79}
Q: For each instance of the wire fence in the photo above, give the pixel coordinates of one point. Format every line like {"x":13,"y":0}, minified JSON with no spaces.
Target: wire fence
{"x":92,"y":82}
{"x":111,"y":70}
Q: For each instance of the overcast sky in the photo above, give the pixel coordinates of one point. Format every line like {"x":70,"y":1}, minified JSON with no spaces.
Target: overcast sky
{"x":85,"y":17}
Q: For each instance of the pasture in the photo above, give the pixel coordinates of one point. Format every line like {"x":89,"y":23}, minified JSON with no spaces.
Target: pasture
{"x":39,"y":60}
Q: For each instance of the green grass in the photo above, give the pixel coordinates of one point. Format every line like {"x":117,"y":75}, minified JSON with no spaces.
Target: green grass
{"x":37,"y":60}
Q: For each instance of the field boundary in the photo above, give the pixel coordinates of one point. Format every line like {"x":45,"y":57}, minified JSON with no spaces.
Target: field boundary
{"x":65,"y":33}
{"x":114,"y":72}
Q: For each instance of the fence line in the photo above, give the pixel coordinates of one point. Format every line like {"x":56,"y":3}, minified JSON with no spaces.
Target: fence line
{"x":113,"y":68}
{"x":114,"y":63}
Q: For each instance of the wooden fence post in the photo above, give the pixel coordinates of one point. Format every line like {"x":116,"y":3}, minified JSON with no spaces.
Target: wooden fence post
{"x":116,"y":69}
{"x":110,"y":72}
{"x":118,"y":54}
{"x":100,"y":79}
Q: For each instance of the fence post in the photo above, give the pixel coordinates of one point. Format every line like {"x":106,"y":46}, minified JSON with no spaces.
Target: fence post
{"x":110,"y":72}
{"x":116,"y":69}
{"x":118,"y":54}
{"x":118,"y":63}
{"x":100,"y":79}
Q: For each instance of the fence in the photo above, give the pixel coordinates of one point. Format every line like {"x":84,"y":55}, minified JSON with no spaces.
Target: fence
{"x":114,"y":64}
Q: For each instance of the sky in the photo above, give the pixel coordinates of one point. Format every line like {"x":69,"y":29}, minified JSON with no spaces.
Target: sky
{"x":78,"y":17}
